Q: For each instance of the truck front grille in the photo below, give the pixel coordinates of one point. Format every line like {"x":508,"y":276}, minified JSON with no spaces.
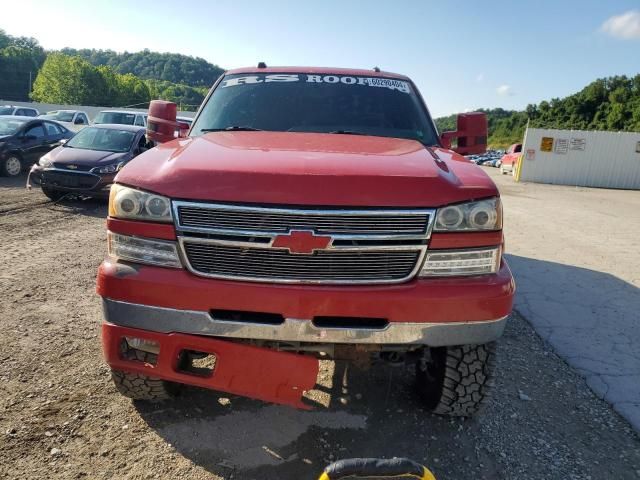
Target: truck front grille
{"x":322,"y":266}
{"x":239,"y":242}
{"x":57,"y":178}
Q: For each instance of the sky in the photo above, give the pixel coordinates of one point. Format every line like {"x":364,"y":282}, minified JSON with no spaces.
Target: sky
{"x":462,"y":55}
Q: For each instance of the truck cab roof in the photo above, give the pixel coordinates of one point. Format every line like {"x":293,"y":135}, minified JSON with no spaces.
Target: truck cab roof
{"x":319,"y":71}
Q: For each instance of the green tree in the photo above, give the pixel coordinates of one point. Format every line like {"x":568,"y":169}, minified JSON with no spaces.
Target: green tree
{"x":170,"y":67}
{"x":69,"y":80}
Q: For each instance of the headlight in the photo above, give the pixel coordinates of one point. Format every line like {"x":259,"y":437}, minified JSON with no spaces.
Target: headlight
{"x":113,"y":168}
{"x":144,"y":250}
{"x":472,"y":216}
{"x":478,"y":261}
{"x":45,"y":161}
{"x":132,"y":204}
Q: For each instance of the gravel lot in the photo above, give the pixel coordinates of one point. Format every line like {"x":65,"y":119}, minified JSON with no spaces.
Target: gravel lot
{"x":60,"y":417}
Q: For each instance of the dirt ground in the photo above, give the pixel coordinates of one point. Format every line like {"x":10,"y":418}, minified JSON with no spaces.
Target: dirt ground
{"x":60,"y":416}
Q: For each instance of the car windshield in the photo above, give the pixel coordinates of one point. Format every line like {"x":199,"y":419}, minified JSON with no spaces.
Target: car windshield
{"x":60,"y":116}
{"x":103,"y":139}
{"x":120,"y":118}
{"x":6,"y":110}
{"x":300,"y":102}
{"x":9,"y":126}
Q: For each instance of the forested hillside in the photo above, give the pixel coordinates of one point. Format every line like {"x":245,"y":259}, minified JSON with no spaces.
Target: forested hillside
{"x":170,"y":67}
{"x":611,"y":103}
{"x":101,"y":77}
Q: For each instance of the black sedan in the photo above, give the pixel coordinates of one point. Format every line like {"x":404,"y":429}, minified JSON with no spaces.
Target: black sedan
{"x":23,"y":140}
{"x":88,"y":162}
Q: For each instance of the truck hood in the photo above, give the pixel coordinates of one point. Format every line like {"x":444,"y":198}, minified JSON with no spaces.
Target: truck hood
{"x":85,"y":157}
{"x":307,"y":169}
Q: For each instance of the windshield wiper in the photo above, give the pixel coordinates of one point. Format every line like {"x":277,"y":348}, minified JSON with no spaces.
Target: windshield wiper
{"x":234,"y":128}
{"x":348,"y":132}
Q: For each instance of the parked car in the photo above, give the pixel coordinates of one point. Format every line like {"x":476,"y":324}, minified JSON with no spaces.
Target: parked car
{"x":121,"y":117}
{"x":74,"y":120}
{"x":87,"y":163}
{"x":187,"y":120}
{"x":23,"y":140}
{"x":19,"y":111}
{"x":296,"y":219}
{"x":510,"y":158}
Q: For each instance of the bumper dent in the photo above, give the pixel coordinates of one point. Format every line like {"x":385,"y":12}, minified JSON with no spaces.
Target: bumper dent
{"x":259,"y":373}
{"x":169,"y":320}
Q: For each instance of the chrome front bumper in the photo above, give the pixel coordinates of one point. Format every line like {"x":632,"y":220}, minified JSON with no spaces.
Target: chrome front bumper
{"x":168,"y":320}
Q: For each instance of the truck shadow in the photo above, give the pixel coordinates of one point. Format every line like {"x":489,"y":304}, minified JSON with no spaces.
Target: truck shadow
{"x":376,"y":413}
{"x":590,"y":319}
{"x":250,"y":439}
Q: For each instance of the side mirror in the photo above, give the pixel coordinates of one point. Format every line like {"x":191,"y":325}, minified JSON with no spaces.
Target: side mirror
{"x":63,"y":141}
{"x":471,"y":134}
{"x":161,"y":123}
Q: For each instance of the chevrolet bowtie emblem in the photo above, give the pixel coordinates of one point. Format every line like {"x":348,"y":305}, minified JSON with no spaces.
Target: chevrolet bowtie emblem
{"x":301,"y":242}
{"x":72,"y":167}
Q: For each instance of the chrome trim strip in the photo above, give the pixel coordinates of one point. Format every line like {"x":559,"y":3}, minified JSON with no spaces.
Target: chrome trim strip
{"x":269,"y":245}
{"x":167,"y":320}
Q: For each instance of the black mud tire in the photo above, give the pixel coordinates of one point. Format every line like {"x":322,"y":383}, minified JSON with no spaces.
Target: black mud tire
{"x":142,"y":387}
{"x":53,"y":194}
{"x":456,"y":381}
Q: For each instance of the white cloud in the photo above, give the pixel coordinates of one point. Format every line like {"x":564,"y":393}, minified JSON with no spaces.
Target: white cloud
{"x":480,"y":77}
{"x":505,"y":91}
{"x":625,"y":26}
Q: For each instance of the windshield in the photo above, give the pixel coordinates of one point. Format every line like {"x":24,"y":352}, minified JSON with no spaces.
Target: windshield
{"x":317,"y":103}
{"x":120,"y":118}
{"x":9,"y":126}
{"x":103,"y":139}
{"x":6,"y":110}
{"x":60,"y":116}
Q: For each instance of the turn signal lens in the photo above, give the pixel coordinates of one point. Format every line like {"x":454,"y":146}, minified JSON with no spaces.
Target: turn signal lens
{"x":144,"y":250}
{"x":461,"y":262}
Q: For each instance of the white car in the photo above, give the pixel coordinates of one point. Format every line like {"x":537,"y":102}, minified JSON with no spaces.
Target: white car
{"x":74,"y":120}
{"x":19,"y":111}
{"x":121,"y":117}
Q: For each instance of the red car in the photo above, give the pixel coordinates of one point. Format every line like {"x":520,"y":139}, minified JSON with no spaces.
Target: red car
{"x":510,"y":159}
{"x":312,"y":212}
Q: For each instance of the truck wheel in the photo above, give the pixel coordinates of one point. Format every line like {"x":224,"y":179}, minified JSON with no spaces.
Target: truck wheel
{"x":142,"y":387}
{"x":53,"y":194}
{"x":455,"y":381}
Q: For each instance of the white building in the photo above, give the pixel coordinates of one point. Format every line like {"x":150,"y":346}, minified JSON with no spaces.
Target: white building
{"x":581,"y":158}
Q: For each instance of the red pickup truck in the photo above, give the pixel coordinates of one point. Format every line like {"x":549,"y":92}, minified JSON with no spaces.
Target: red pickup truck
{"x":510,"y":159}
{"x":310,"y":212}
